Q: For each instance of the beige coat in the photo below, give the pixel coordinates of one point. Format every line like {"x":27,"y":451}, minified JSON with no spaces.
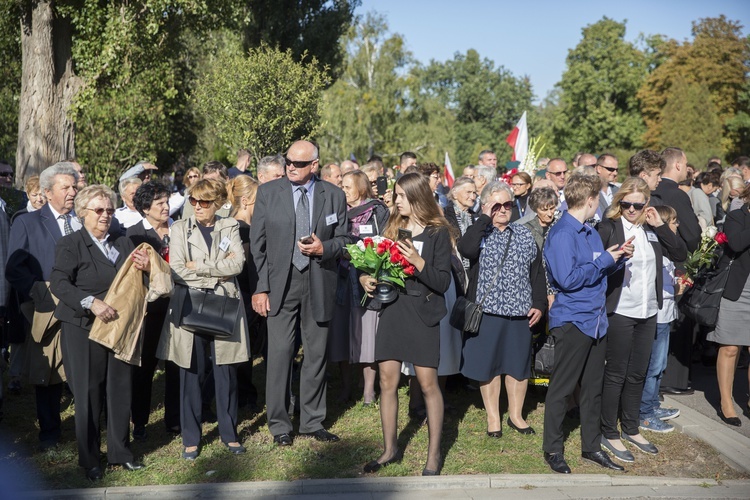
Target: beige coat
{"x":211,"y":270}
{"x":128,"y":296}
{"x":43,"y":363}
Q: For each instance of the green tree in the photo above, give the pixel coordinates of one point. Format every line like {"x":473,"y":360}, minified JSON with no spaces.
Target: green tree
{"x":265,"y":102}
{"x":597,"y":108}
{"x":10,"y":76}
{"x":690,"y":120}
{"x":487,"y":101}
{"x":717,"y":58}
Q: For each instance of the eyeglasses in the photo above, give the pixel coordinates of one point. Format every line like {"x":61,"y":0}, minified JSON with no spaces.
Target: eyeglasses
{"x":194,"y":176}
{"x":608,"y":169}
{"x":434,"y":176}
{"x":202,"y":203}
{"x":298,"y":163}
{"x":518,"y":184}
{"x":558,"y":174}
{"x":625,"y":205}
{"x":6,"y":174}
{"x":100,"y":211}
{"x":507,"y":206}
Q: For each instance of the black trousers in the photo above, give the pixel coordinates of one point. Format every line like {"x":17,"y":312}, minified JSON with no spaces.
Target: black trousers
{"x":93,"y":372}
{"x":681,"y":341}
{"x":577,"y":357}
{"x":191,"y":401}
{"x":48,"y":411}
{"x":629,"y":342}
{"x":143,"y":376}
{"x":296,"y":310}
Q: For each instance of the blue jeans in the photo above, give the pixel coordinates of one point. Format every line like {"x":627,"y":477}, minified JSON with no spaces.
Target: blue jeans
{"x":656,"y":367}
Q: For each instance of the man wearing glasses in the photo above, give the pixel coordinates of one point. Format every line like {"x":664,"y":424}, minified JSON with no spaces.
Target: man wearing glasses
{"x":299,"y":229}
{"x":557,"y":171}
{"x":606,"y":167}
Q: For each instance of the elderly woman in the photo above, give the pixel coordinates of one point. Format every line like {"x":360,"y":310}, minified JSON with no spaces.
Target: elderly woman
{"x":731,"y":331}
{"x":506,"y":277}
{"x":521,"y":185}
{"x":151,"y":200}
{"x":86,"y":263}
{"x":634,"y":296}
{"x":352,"y":334}
{"x":206,"y":253}
{"x":127,"y":215}
{"x":462,"y":197}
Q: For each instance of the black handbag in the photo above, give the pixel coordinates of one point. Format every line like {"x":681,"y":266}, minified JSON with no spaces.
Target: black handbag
{"x":204,"y":312}
{"x":701,"y":303}
{"x":544,"y":358}
{"x":467,"y":315}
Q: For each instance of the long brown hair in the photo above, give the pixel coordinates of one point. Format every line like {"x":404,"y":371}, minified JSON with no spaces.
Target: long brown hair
{"x":423,"y":206}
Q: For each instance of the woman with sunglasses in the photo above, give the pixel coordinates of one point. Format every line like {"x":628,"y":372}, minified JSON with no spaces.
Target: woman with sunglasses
{"x":192,"y":176}
{"x":507,"y":278}
{"x":206,"y":252}
{"x":86,"y":263}
{"x":634,"y":296}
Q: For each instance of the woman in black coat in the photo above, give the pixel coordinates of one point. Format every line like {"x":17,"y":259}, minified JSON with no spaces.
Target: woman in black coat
{"x":86,"y":263}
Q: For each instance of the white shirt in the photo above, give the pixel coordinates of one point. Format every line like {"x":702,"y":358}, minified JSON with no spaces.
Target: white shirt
{"x":127,"y":217}
{"x":607,"y":194}
{"x":75,"y":224}
{"x":638,"y":296}
{"x":668,"y":311}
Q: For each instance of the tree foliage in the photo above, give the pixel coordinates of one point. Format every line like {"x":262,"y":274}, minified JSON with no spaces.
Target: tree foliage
{"x":597,"y":108}
{"x":263,"y":103}
{"x":10,"y":75}
{"x":718,"y":58}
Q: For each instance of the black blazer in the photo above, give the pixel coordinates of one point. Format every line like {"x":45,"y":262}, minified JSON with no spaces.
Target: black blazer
{"x":139,"y":234}
{"x":80,"y":270}
{"x":737,"y":229}
{"x":670,"y":194}
{"x":669,"y":245}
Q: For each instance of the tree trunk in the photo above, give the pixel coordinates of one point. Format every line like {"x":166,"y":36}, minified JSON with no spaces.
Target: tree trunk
{"x":46,"y":133}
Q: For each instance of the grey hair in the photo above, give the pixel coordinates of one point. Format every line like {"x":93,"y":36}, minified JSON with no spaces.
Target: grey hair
{"x":492,"y":188}
{"x":127,"y":182}
{"x":89,"y":193}
{"x":47,"y":177}
{"x":542,"y":198}
{"x":485,"y":152}
{"x":267,"y":163}
{"x":458,"y":185}
{"x":488,"y":173}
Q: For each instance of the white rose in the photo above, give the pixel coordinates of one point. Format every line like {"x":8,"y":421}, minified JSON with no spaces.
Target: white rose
{"x":710,"y":232}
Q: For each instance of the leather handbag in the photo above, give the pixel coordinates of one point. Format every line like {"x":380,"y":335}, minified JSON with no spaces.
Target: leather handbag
{"x":701,"y":303}
{"x":467,"y":315}
{"x":204,"y":312}
{"x":544,"y":358}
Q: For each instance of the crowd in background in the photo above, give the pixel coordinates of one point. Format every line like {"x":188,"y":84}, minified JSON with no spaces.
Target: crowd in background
{"x":565,"y":251}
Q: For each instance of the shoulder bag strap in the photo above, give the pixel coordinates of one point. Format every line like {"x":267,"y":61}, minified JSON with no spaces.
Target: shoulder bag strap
{"x":497,"y":273}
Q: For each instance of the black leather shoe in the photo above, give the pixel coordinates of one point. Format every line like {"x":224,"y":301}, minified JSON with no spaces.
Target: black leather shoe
{"x":733,"y":421}
{"x":431,"y":472}
{"x":237,"y":450}
{"x":139,"y":433}
{"x":675,"y":391}
{"x":375,"y":466}
{"x":322,"y":435}
{"x":526,"y":430}
{"x":283,"y":439}
{"x":495,"y":434}
{"x":602,"y":459}
{"x":94,"y":474}
{"x":556,"y":462}
{"x":130,"y":466}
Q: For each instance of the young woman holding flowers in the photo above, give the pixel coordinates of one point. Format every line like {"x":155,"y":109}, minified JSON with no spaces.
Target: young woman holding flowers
{"x":409,"y":326}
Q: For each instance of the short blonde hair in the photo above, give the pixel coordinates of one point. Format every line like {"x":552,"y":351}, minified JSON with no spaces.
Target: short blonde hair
{"x":630,"y":186}
{"x":88,"y":193}
{"x":32,"y":184}
{"x":209,"y":190}
{"x":581,"y":187}
{"x":242,"y":185}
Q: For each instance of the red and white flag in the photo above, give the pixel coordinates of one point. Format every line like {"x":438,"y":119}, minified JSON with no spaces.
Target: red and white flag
{"x":449,"y":175}
{"x":519,"y":140}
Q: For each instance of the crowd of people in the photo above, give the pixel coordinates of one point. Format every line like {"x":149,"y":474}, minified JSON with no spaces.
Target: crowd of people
{"x":567,"y":252}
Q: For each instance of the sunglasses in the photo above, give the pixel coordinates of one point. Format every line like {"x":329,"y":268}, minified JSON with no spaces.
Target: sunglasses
{"x":193,"y":176}
{"x":202,"y":203}
{"x":625,"y":205}
{"x":298,"y":163}
{"x":507,"y":206}
{"x":100,"y":211}
{"x":518,"y":184}
{"x":6,"y":174}
{"x":608,"y":169}
{"x":558,"y":174}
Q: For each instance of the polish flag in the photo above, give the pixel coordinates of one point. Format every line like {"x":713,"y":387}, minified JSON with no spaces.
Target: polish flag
{"x":449,"y":175}
{"x":519,"y":140}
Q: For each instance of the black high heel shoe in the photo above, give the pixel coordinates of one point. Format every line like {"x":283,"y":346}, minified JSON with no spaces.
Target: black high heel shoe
{"x":429,"y":472}
{"x":375,"y":466}
{"x":733,"y":421}
{"x":526,"y":430}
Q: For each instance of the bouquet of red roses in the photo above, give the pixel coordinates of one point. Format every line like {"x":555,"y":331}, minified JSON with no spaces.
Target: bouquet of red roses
{"x":705,"y":255}
{"x":380,"y":258}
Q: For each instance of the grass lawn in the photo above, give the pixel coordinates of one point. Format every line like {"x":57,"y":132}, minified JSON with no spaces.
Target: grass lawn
{"x":466,"y":448}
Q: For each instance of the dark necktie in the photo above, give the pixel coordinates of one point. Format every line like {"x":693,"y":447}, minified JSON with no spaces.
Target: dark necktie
{"x":66,"y":224}
{"x":302,"y":229}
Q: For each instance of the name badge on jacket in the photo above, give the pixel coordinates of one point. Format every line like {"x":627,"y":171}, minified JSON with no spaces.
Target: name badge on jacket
{"x":224,"y":245}
{"x":331,"y":219}
{"x":651,"y":236}
{"x":113,"y":254}
{"x":365,"y":229}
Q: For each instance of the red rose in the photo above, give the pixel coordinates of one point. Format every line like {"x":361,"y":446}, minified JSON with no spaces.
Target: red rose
{"x":409,"y":270}
{"x":393,"y":249}
{"x":403,"y":261}
{"x":368,"y":242}
{"x":721,"y":238}
{"x":387,"y":244}
{"x":381,"y":248}
{"x":395,"y":258}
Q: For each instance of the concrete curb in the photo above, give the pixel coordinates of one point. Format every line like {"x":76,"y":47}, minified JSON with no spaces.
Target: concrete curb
{"x":377,"y":485}
{"x":733,"y":447}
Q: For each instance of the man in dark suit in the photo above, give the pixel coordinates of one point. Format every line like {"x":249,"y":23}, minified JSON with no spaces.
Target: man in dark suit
{"x":676,"y":379}
{"x":31,"y":255}
{"x":606,"y":167}
{"x":299,"y":229}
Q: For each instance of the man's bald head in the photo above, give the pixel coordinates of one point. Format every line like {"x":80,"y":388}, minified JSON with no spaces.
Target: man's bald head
{"x":587,"y":159}
{"x":348,"y":166}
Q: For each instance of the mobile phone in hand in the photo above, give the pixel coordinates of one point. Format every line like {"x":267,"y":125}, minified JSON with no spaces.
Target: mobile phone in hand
{"x":404,"y":234}
{"x":381,"y":184}
{"x":306,"y":240}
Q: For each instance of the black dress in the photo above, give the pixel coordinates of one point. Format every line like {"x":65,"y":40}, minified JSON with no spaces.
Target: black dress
{"x":409,"y":327}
